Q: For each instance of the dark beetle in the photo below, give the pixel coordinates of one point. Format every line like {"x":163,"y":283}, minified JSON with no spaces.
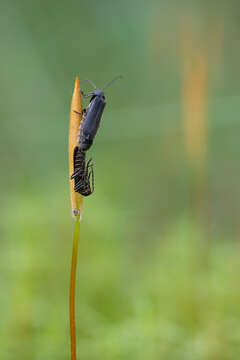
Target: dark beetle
{"x":92,"y":116}
{"x":91,"y":120}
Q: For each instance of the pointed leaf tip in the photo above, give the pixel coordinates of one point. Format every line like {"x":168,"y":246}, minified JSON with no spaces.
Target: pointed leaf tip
{"x":77,"y":84}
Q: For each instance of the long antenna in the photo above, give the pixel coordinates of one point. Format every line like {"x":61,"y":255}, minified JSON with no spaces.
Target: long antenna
{"x":110,"y":82}
{"x":90,"y":82}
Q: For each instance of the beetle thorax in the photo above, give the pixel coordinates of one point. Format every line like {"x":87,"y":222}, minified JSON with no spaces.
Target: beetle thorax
{"x":98,"y":92}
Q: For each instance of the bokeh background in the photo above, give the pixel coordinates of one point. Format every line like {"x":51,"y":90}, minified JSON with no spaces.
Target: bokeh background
{"x":158,"y":274}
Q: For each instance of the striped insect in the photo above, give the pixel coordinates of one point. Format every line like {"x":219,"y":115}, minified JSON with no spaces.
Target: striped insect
{"x":83,"y":173}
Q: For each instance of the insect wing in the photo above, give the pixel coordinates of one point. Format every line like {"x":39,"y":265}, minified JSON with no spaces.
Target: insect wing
{"x":93,"y":117}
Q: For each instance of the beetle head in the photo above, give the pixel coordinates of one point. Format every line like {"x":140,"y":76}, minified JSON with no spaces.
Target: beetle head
{"x":98,"y":93}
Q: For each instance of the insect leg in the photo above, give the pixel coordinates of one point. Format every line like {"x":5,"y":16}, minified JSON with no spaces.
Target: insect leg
{"x":86,"y":95}
{"x":90,"y":175}
{"x":89,"y":163}
{"x":80,"y":113}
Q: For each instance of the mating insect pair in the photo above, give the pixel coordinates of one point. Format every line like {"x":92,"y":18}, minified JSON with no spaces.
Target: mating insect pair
{"x":83,"y":172}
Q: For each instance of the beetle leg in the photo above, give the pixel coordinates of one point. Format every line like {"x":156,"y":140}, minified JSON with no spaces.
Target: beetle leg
{"x":86,"y":95}
{"x":85,"y":174}
{"x":92,"y":175}
{"x":89,"y":176}
{"x":80,"y":113}
{"x":89,"y":163}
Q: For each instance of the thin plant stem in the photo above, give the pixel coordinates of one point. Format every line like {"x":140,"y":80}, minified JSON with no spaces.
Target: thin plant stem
{"x":73,"y":289}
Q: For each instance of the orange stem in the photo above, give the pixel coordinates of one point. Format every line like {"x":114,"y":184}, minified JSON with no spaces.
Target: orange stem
{"x":73,"y":288}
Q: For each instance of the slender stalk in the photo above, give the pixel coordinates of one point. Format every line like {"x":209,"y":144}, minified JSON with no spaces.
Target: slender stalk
{"x":73,"y":288}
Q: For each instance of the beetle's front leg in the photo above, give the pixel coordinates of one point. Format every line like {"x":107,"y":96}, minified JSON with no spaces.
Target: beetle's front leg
{"x":84,"y":111}
{"x":86,"y":95}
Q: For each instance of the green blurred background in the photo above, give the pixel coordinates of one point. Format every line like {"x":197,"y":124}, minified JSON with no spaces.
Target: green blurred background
{"x":158,"y":274}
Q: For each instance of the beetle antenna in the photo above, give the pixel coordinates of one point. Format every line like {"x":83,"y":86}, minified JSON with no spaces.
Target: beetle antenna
{"x":90,"y":82}
{"x":110,"y":82}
